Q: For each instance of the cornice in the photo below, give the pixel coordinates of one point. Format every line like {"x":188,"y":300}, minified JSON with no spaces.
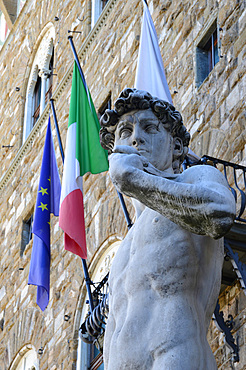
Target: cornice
{"x":66,"y":78}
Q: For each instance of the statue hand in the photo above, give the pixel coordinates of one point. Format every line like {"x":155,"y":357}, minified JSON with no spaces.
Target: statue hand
{"x":123,"y":163}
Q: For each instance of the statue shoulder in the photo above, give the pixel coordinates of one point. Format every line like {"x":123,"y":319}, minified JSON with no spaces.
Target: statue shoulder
{"x":203,"y":174}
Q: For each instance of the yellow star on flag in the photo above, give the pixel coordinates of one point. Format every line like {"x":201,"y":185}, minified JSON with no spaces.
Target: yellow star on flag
{"x":43,"y":191}
{"x":49,"y":179}
{"x":43,"y":206}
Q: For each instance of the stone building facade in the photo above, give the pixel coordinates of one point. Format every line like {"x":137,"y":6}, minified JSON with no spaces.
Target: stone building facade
{"x":211,"y":100}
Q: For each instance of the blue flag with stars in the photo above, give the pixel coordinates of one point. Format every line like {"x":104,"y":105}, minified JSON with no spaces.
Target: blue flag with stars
{"x":48,"y":201}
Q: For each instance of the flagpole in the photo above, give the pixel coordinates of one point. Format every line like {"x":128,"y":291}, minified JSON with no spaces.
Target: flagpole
{"x":123,"y":205}
{"x":57,"y":129}
{"x":70,"y":38}
{"x":125,"y":211}
{"x":84,"y":264}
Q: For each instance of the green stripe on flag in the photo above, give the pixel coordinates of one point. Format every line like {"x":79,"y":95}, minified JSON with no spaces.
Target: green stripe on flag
{"x":91,"y":156}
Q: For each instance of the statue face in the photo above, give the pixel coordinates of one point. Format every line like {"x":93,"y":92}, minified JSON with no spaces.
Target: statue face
{"x":142,"y":130}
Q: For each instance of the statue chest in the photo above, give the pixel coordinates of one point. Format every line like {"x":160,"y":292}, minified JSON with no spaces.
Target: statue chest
{"x":155,"y":251}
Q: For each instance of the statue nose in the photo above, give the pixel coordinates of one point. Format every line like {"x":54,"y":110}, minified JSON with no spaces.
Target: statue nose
{"x":137,"y":141}
{"x":137,"y":137}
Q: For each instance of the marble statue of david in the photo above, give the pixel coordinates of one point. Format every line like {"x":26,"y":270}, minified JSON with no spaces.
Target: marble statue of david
{"x":165,"y":278}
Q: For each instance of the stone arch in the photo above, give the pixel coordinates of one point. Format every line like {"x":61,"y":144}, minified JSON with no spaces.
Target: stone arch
{"x":42,"y":51}
{"x":24,"y":335}
{"x":49,"y":53}
{"x":29,"y":353}
{"x":39,"y":67}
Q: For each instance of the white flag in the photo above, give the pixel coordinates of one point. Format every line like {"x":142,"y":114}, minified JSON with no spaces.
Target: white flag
{"x":150,"y":75}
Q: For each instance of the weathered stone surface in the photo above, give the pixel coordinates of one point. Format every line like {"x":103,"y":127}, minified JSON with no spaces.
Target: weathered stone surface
{"x":172,"y":209}
{"x":109,"y":64}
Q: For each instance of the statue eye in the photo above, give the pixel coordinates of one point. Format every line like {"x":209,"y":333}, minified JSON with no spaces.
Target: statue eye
{"x":125,"y":133}
{"x":151,"y":129}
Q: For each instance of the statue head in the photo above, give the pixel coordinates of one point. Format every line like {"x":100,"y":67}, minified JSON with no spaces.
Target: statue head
{"x":137,"y":100}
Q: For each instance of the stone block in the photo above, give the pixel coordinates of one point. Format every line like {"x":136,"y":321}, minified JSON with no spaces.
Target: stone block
{"x":232,"y":98}
{"x":209,"y":109}
{"x":24,"y":292}
{"x":2,"y":292}
{"x":229,"y":37}
{"x":58,"y":322}
{"x":164,"y":5}
{"x":239,"y":43}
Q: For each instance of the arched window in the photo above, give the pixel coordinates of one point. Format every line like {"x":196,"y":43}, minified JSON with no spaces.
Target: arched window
{"x":89,"y":357}
{"x":96,"y":10}
{"x":39,"y":88}
{"x":26,"y":359}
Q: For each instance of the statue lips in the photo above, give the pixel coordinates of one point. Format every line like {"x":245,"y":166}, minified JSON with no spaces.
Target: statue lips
{"x":142,"y":151}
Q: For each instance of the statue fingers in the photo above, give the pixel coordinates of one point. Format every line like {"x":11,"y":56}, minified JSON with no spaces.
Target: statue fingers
{"x":125,"y":149}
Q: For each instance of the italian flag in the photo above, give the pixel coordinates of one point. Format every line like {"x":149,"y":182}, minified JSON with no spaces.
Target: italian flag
{"x":83,"y":154}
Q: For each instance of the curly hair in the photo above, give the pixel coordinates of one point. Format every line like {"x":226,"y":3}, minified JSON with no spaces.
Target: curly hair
{"x":132,"y":99}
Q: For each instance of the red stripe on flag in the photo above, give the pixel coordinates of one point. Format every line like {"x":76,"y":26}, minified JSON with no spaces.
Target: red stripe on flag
{"x":72,"y":222}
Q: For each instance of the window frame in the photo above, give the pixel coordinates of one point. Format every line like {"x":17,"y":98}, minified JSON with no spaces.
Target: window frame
{"x":207,"y":51}
{"x":96,"y":10}
{"x":36,"y":100}
{"x":26,"y":229}
{"x":106,"y":105}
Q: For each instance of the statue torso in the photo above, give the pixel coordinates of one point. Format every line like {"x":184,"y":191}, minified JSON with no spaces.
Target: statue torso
{"x":163,"y":278}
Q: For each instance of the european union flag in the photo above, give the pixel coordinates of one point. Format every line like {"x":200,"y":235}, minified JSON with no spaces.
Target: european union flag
{"x":48,"y":201}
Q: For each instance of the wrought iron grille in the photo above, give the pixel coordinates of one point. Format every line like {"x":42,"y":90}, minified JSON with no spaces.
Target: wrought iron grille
{"x":235,"y":175}
{"x":92,"y":329}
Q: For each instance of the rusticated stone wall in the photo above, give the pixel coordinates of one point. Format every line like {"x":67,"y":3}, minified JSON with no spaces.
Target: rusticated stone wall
{"x":232,"y":302}
{"x":214,"y":113}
